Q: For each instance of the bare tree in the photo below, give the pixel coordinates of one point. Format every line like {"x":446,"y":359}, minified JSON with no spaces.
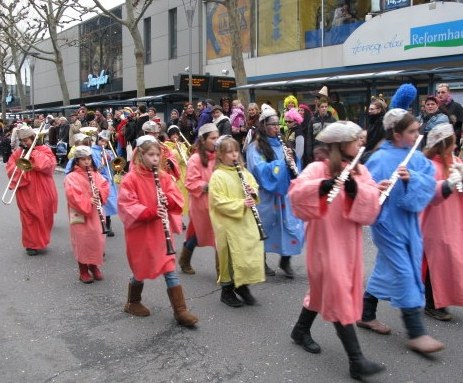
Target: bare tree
{"x":237,"y":61}
{"x":5,"y":62}
{"x":135,"y":10}
{"x":44,"y":20}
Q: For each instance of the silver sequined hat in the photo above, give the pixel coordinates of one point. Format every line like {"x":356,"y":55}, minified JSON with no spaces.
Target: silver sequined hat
{"x":82,"y":151}
{"x":339,"y":131}
{"x":439,"y":133}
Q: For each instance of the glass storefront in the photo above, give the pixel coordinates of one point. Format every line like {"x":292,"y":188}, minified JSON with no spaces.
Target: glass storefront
{"x":290,"y":25}
{"x":101,"y":55}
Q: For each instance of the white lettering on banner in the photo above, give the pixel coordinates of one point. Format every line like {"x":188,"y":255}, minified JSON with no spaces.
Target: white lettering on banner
{"x":376,"y":48}
{"x":409,"y":33}
{"x":102,"y":79}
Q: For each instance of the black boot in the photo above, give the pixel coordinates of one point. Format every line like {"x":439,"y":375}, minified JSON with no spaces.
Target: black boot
{"x":359,"y":366}
{"x":243,"y":292}
{"x":285,"y":265}
{"x":229,"y":297}
{"x":109,"y":232}
{"x":268,"y":271}
{"x":301,"y":331}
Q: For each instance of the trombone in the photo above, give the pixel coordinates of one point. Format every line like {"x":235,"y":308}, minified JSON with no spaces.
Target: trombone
{"x":181,"y":152}
{"x":187,"y":143}
{"x":24,"y":164}
{"x":118,"y":165}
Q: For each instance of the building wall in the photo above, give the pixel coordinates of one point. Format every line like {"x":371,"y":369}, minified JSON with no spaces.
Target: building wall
{"x":159,"y":73}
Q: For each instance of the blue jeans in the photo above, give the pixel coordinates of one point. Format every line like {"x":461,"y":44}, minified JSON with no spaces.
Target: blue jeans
{"x":171,"y":279}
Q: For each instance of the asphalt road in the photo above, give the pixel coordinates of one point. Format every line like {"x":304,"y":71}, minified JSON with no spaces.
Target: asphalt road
{"x":54,"y":328}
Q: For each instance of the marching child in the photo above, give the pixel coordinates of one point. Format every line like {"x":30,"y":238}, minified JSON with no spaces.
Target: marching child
{"x":145,"y":211}
{"x":102,"y":157}
{"x":334,"y":241}
{"x":239,"y":248}
{"x":442,"y":227}
{"x":396,"y":276}
{"x":199,"y":170}
{"x":86,"y":190}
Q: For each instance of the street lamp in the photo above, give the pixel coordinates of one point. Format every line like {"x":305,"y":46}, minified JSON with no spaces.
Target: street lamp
{"x":190,"y":6}
{"x":31,"y":60}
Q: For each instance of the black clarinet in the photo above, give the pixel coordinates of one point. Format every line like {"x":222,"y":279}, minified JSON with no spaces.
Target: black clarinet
{"x":291,"y":164}
{"x":254,"y":210}
{"x":96,"y":193}
{"x":165,"y":221}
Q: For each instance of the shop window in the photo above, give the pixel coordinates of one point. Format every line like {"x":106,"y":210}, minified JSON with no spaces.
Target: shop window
{"x":147,"y":39}
{"x":172,"y":33}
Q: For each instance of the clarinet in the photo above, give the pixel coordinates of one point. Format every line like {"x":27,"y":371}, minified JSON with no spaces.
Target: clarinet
{"x":291,"y":164}
{"x":165,"y":221}
{"x":96,"y":193}
{"x":395,"y":175}
{"x":254,"y":210}
{"x":342,"y":178}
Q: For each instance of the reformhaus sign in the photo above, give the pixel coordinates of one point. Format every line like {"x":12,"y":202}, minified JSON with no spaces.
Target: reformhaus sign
{"x":420,"y":31}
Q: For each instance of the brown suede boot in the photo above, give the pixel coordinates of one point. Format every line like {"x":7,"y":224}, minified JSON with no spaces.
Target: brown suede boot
{"x":181,"y":314}
{"x":133,"y":305}
{"x":184,"y":261}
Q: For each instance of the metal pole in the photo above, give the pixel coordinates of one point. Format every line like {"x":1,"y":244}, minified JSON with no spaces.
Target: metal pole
{"x":32,"y":68}
{"x":190,"y":65}
{"x":190,"y":7}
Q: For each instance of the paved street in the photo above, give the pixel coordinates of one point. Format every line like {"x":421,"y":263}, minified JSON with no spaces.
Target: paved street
{"x":53,"y":328}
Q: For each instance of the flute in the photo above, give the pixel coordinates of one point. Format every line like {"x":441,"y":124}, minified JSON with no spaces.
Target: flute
{"x":459,"y":185}
{"x":165,"y":221}
{"x":342,"y":178}
{"x":254,"y":210}
{"x":291,"y":164}
{"x":96,"y":193}
{"x":395,"y":175}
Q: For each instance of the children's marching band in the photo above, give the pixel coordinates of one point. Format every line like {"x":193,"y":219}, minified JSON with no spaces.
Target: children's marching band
{"x":248,"y":208}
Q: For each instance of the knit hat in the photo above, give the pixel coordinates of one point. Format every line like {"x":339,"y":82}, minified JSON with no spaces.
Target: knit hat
{"x":25,"y":132}
{"x":173,"y":129}
{"x":404,"y":96}
{"x":207,"y":128}
{"x":82,"y":151}
{"x":147,"y":138}
{"x":339,"y":131}
{"x":392,"y":117}
{"x":266,"y":111}
{"x":439,"y":133}
{"x":151,"y":127}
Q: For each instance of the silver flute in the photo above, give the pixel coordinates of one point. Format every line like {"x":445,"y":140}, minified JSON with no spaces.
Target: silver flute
{"x":290,"y":163}
{"x":459,"y":185}
{"x":342,"y":178}
{"x":395,"y":175}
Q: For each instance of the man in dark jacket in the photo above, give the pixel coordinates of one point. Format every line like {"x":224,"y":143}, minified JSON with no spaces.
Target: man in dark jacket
{"x":321,"y":119}
{"x":453,"y":109}
{"x":205,"y":114}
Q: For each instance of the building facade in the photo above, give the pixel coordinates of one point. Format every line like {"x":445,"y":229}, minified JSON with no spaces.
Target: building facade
{"x":357,"y":48}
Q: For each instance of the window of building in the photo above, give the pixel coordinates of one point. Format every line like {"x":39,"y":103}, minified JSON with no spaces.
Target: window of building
{"x":172,"y":33}
{"x":147,"y":39}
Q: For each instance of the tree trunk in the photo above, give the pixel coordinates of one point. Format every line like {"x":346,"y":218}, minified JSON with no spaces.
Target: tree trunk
{"x":3,"y":82}
{"x":139,"y":52}
{"x":62,"y":78}
{"x":237,"y":50}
